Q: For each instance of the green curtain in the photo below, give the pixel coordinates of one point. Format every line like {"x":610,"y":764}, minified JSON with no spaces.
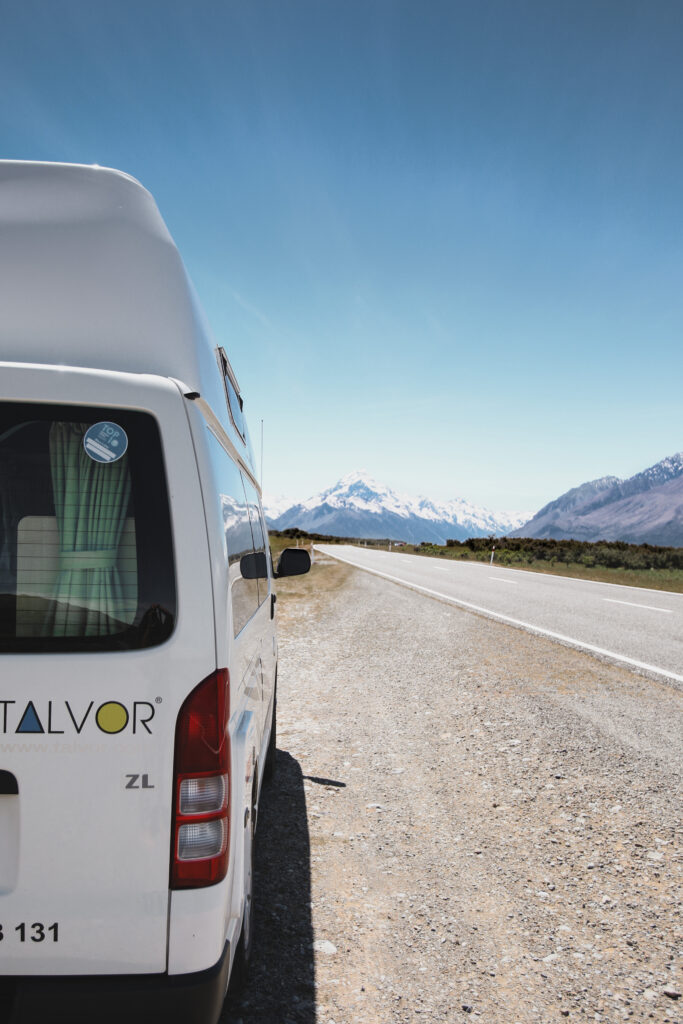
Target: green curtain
{"x":91,"y":501}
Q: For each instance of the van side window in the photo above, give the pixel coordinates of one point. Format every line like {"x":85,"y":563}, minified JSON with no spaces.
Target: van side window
{"x":233,"y":398}
{"x":238,"y":536}
{"x":86,"y":558}
{"x":257,"y":530}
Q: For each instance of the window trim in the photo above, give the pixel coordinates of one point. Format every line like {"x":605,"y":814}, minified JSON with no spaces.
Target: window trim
{"x":260,"y":522}
{"x":142,"y":425}
{"x":228,"y":377}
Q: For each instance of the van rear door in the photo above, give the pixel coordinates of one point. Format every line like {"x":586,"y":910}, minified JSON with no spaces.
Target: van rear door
{"x":106,"y":625}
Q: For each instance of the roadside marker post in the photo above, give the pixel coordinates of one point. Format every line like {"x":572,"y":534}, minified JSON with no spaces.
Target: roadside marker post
{"x":492,"y":554}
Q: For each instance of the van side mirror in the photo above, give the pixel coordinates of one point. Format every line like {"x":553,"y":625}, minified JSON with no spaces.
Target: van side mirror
{"x":293,"y":562}
{"x":254,"y":566}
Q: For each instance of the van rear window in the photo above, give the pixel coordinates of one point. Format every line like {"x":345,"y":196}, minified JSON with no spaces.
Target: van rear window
{"x":86,"y":555}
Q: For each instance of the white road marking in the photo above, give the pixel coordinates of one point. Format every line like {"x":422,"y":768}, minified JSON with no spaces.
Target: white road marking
{"x":557,"y":576}
{"x":632,"y":604}
{"x":539,"y":630}
{"x":501,"y":580}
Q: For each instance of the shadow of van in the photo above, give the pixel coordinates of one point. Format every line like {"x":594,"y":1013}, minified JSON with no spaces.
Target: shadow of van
{"x":281,"y":985}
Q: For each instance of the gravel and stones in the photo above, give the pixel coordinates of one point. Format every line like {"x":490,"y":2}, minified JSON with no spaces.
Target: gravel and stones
{"x":467,"y":822}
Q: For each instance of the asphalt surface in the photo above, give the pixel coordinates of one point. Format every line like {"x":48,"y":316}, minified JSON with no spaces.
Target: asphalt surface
{"x":467,"y":822}
{"x":638,"y":627}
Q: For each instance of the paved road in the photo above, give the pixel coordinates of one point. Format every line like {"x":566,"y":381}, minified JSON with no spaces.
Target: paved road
{"x":627,"y":624}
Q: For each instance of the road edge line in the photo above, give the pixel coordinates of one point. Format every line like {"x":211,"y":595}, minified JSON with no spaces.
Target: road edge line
{"x":568,"y":641}
{"x":532,"y":572}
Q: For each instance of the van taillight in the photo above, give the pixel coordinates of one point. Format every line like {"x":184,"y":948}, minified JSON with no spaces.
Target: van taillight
{"x":201,"y":804}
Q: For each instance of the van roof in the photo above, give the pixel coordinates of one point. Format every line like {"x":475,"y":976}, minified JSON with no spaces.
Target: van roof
{"x":90,"y":276}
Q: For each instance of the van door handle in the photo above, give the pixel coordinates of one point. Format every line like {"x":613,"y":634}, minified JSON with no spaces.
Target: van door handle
{"x":8,"y":784}
{"x":273,"y":599}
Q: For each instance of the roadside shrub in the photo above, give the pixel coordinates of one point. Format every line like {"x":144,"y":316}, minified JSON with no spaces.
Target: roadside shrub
{"x":616,"y":554}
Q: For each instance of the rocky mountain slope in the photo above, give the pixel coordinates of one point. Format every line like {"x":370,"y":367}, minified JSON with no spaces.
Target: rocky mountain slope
{"x":645,"y":509}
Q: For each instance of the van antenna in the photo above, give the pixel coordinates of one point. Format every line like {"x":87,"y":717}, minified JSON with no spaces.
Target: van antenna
{"x":261,"y":454}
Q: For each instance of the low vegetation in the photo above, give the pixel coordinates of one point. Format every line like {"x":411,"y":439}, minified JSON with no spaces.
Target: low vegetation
{"x":638,"y":565}
{"x":294,"y":537}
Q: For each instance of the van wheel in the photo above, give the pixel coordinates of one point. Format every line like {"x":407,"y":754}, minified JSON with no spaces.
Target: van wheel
{"x":269,"y":767}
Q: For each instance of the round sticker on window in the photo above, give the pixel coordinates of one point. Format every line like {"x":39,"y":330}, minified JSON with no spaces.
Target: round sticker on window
{"x":105,"y":442}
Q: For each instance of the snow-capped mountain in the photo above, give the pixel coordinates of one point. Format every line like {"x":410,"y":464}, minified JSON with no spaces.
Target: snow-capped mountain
{"x":274,"y":505}
{"x":359,"y":506}
{"x":645,"y":509}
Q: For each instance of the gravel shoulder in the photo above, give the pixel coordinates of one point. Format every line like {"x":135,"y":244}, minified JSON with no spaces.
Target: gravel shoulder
{"x":467,"y":822}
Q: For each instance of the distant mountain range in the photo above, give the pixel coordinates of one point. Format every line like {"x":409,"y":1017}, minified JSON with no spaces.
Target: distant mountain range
{"x":645,"y":509}
{"x":358,"y":506}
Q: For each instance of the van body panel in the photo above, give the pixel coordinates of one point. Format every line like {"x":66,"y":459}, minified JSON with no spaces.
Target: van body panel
{"x":98,"y":313}
{"x":268,"y":660}
{"x":248,"y":652}
{"x":199,"y":925}
{"x":200,"y":921}
{"x":114,"y":293}
{"x":246,"y":752}
{"x":95,"y":808}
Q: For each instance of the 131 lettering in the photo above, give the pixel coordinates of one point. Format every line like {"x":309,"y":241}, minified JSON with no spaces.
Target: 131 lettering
{"x":36,"y":932}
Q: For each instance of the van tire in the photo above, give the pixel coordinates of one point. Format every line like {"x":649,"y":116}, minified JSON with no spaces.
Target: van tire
{"x":269,"y":766}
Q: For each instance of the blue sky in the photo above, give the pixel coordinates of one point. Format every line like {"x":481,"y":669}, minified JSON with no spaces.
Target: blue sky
{"x":440,"y":241}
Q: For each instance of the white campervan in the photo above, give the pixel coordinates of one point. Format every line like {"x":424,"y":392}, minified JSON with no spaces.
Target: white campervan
{"x":138,"y":651}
